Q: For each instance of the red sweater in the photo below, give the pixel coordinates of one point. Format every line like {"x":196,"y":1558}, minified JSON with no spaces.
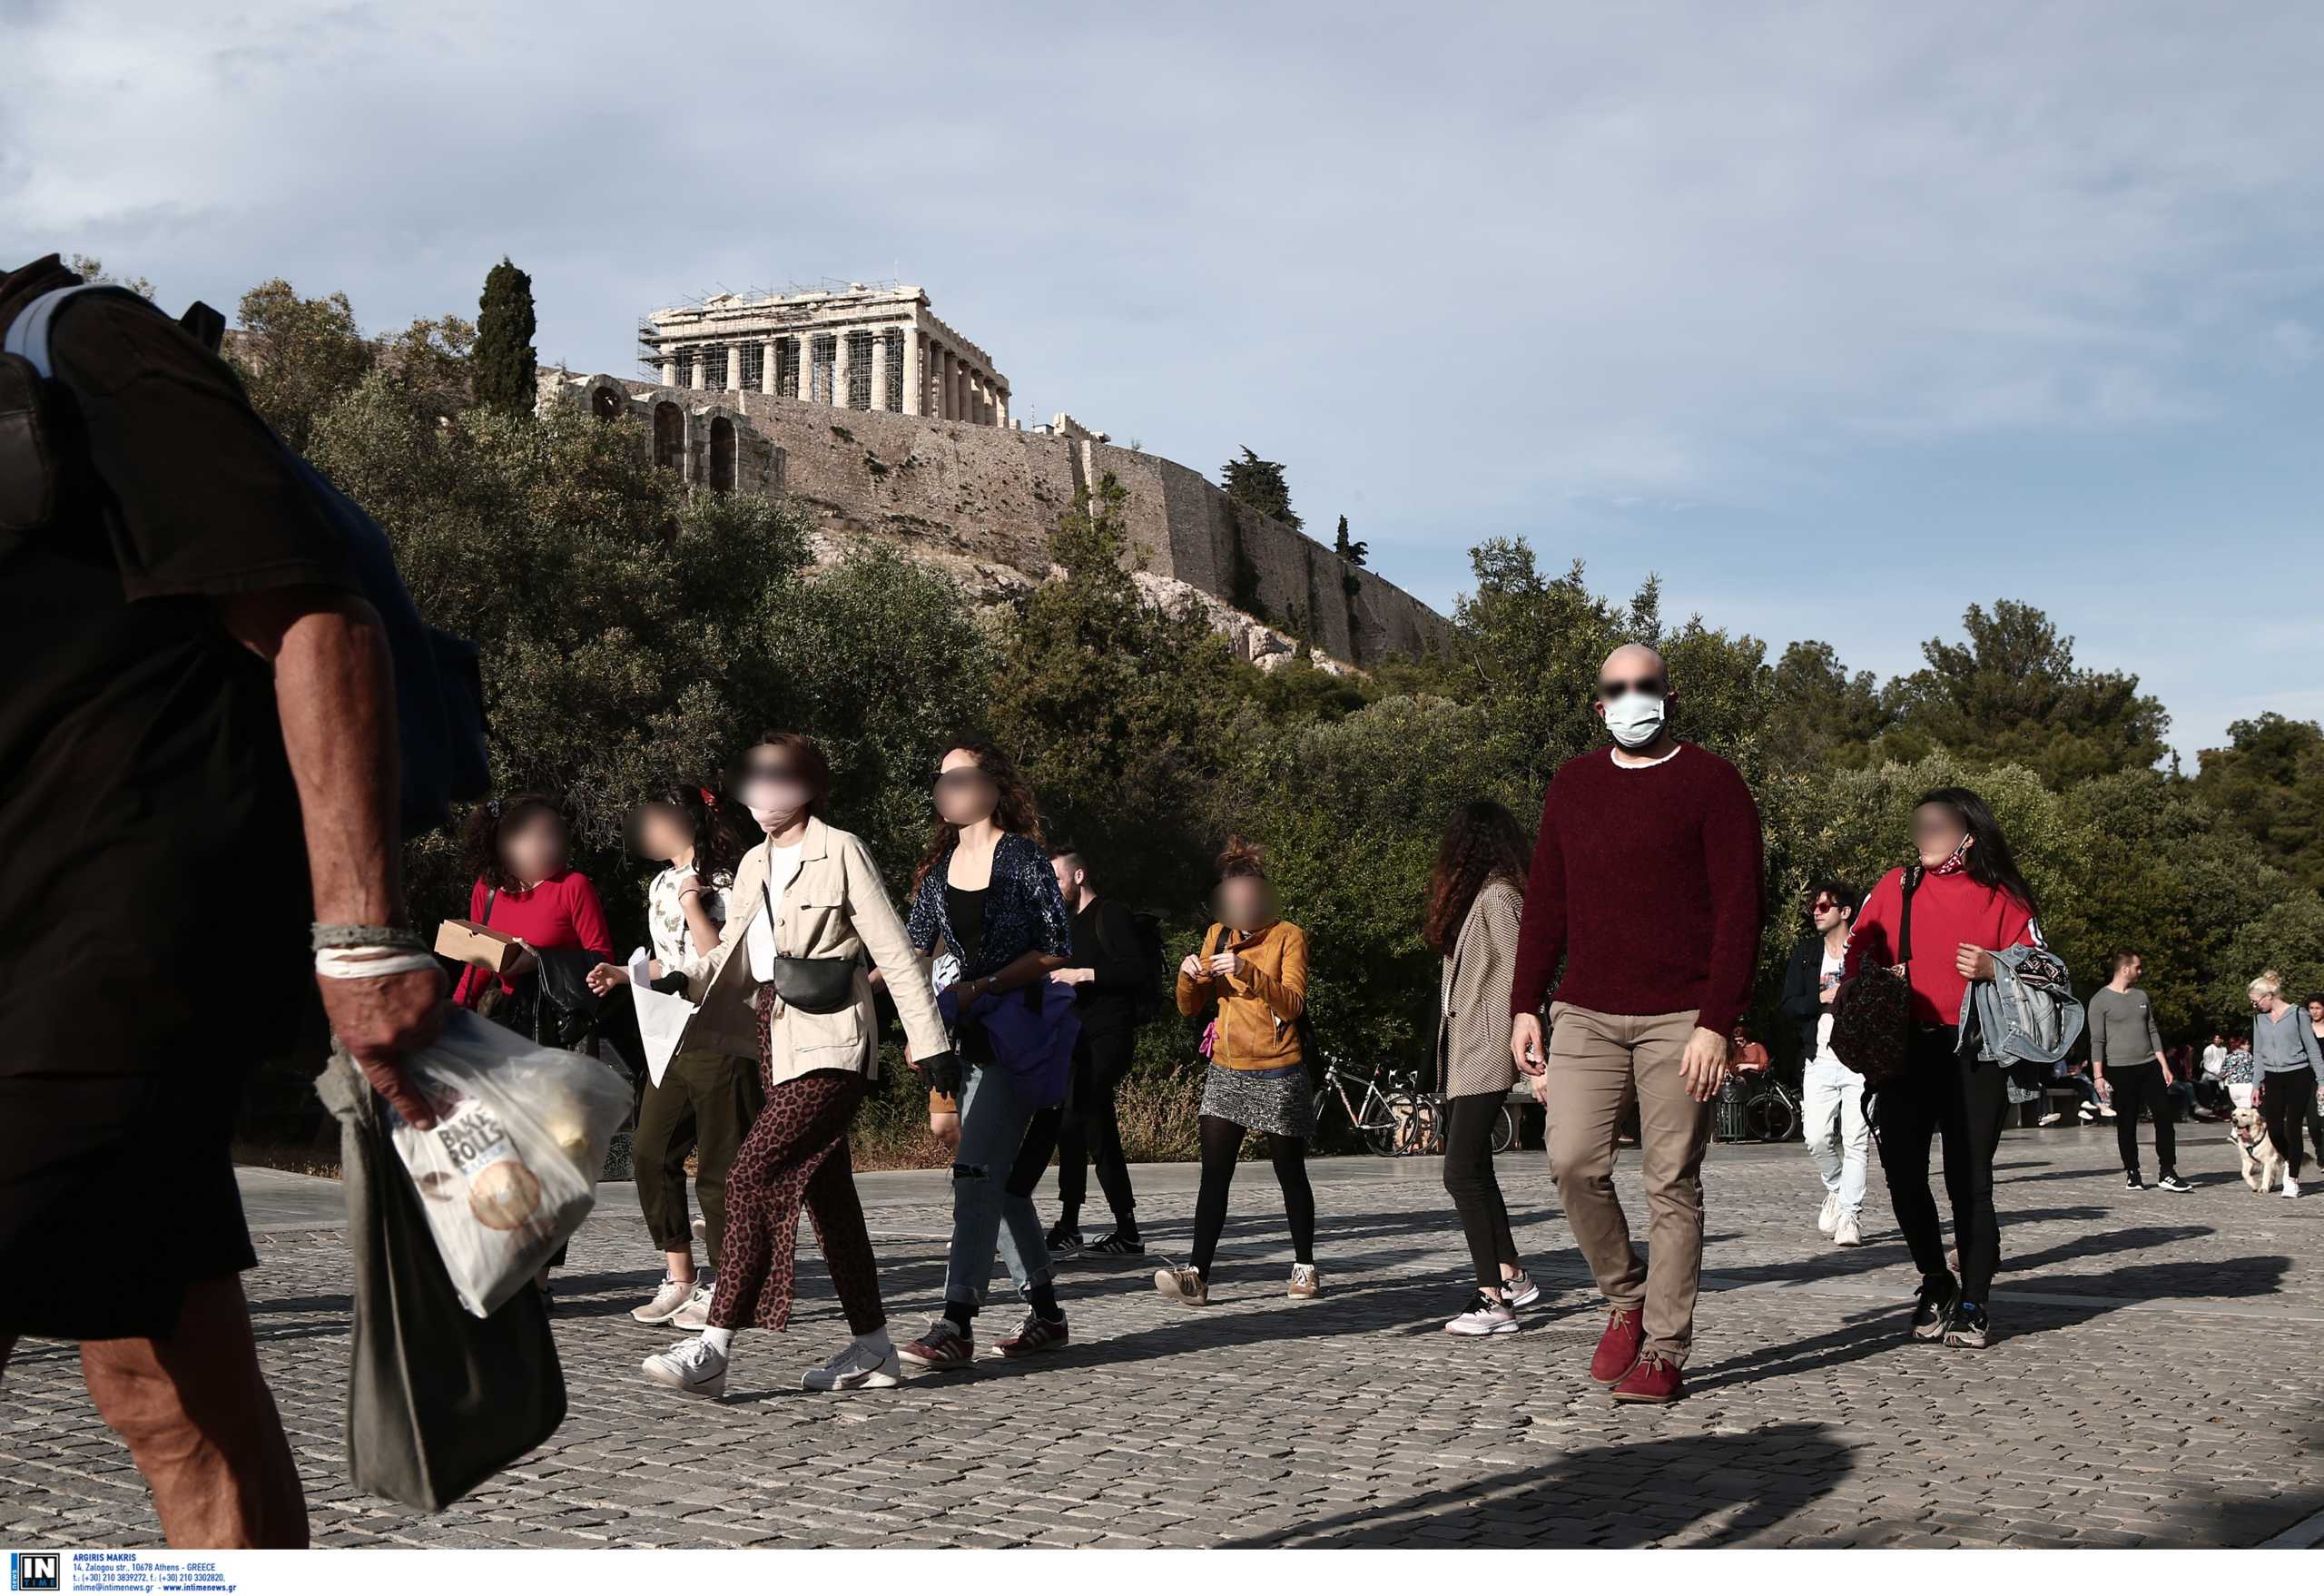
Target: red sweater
{"x":1645,"y":883}
{"x":1947,"y":910}
{"x":563,"y":911}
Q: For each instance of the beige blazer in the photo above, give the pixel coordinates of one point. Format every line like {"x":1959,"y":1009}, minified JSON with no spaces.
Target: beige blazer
{"x":834,"y":907}
{"x":1473,"y":996}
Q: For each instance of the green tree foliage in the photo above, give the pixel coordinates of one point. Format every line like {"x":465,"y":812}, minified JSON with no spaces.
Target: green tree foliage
{"x":1820,"y":715}
{"x":2268,"y":782}
{"x":507,"y":369}
{"x":2011,"y":694}
{"x":89,"y":269}
{"x":1353,"y":553}
{"x":298,"y":357}
{"x":1259,"y":483}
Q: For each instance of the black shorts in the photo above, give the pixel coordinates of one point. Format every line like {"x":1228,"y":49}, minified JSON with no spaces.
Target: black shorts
{"x":117,"y":1193}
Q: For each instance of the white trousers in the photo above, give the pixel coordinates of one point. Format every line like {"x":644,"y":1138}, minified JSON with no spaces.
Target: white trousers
{"x":1832,"y":1100}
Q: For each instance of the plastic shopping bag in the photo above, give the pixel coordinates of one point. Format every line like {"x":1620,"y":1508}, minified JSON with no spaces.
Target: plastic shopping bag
{"x":511,"y":1168}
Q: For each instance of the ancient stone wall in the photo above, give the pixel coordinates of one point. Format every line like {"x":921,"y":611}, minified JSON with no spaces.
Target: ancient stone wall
{"x":984,"y":496}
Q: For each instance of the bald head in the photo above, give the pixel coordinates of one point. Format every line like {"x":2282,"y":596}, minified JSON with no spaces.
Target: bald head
{"x":1630,"y":665}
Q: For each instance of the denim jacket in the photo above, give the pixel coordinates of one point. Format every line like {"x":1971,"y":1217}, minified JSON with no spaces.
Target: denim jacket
{"x":1023,"y":911}
{"x":2027,"y":1012}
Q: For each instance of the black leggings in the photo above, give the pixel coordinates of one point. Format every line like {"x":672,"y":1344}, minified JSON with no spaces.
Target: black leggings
{"x":2285,"y":1101}
{"x":1947,"y":1095}
{"x":1469,"y":1180}
{"x":2136,"y":1086}
{"x":1221,"y":1141}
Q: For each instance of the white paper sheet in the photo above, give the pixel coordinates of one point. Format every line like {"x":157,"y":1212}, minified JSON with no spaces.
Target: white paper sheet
{"x":661,"y":1016}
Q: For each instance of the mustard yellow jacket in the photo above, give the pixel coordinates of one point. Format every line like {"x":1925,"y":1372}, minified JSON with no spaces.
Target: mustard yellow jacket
{"x":1259,"y":1009}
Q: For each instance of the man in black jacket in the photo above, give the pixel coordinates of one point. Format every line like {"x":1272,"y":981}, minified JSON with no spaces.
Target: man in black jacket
{"x":1831,"y":1094}
{"x":1109,"y":971}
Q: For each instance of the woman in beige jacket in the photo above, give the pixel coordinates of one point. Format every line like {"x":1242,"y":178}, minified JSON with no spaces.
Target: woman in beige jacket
{"x":807,"y":906}
{"x":1475,"y":902}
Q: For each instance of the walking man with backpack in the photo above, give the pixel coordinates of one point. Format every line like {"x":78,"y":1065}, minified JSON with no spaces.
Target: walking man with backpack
{"x":1115,"y":974}
{"x":198,"y":768}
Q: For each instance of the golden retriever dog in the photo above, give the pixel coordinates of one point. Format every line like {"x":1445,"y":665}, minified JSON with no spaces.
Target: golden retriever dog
{"x":2263,"y":1165}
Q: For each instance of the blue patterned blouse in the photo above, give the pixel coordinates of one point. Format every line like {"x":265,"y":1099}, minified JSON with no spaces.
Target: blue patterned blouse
{"x":1023,"y":911}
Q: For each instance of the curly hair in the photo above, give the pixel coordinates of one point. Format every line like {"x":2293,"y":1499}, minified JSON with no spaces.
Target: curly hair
{"x":1484,"y":843}
{"x":1990,"y":863}
{"x":1016,"y":810}
{"x":487,"y":822}
{"x":717,"y":847}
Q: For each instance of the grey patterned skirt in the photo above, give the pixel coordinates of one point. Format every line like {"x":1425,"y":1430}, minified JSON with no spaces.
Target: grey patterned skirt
{"x":1279,"y":1102}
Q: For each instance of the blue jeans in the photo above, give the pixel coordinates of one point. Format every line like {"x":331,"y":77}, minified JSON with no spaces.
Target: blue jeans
{"x":992,"y":1128}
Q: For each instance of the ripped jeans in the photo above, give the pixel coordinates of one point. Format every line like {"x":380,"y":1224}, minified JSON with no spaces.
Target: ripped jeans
{"x":993,"y":1118}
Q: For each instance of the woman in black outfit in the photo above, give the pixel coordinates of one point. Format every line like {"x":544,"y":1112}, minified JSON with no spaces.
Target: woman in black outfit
{"x":1475,"y":901}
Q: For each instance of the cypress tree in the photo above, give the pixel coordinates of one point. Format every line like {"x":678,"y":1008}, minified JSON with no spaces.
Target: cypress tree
{"x":506,"y":370}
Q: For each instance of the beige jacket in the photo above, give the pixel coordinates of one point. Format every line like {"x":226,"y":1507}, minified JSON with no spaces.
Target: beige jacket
{"x":1473,"y":996}
{"x":834,"y":907}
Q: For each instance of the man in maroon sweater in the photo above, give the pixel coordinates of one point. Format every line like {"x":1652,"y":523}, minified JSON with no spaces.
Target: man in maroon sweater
{"x":1646,"y":885}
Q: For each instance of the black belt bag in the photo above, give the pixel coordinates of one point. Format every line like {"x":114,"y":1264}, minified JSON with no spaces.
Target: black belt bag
{"x":817,"y":986}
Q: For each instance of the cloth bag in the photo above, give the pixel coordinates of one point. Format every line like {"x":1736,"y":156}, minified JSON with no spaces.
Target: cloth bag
{"x":438,"y":1400}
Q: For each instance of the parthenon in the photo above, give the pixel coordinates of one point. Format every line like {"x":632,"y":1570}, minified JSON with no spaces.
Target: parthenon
{"x":858,"y":347}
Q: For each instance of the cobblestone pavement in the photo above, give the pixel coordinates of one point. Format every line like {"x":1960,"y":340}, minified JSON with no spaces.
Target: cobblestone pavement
{"x":2159,"y":1379}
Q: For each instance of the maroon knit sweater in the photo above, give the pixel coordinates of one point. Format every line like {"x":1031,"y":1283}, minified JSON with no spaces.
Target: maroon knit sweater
{"x":1645,"y":883}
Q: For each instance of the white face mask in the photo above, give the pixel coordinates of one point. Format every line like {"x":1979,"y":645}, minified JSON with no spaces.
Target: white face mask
{"x":1635,"y":718}
{"x":774,"y":804}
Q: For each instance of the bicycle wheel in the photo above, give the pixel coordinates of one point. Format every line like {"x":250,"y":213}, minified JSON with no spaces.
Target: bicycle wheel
{"x":1381,"y":1127}
{"x":1406,"y":1132}
{"x":1504,"y":1128}
{"x":1769,"y":1118}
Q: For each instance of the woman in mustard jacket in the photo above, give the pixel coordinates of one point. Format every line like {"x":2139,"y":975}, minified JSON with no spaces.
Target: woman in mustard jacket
{"x":1254,"y":966}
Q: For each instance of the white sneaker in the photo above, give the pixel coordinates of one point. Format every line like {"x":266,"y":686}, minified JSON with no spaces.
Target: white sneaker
{"x":694,"y":1312}
{"x":2050,"y":1119}
{"x":1520,"y":1290}
{"x":2104,"y":1112}
{"x":693,"y":1368}
{"x":1483,"y":1316}
{"x":667,"y":1299}
{"x":868,"y":1363}
{"x":1848,"y":1232}
{"x":1305,"y":1281}
{"x":2291,"y":1186}
{"x":1828,"y":1220}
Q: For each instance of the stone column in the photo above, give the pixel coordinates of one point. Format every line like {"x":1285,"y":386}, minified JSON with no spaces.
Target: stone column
{"x":669,"y":370}
{"x":915,"y":383}
{"x":767,"y":363}
{"x":806,"y":366}
{"x":734,"y":367}
{"x":1003,"y":399}
{"x":879,"y":369}
{"x":943,"y":383}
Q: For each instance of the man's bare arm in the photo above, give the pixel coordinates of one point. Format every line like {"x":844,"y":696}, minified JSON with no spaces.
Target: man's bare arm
{"x":335,"y":692}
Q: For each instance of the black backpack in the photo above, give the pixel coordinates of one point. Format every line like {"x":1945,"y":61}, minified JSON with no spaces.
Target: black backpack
{"x":439,"y":683}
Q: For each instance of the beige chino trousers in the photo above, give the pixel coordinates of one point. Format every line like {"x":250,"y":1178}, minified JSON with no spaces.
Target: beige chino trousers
{"x":1597,"y":1064}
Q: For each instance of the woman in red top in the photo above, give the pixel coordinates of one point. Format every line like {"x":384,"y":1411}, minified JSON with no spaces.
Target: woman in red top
{"x":1970,"y":902}
{"x":525,"y":887}
{"x":521,"y":851}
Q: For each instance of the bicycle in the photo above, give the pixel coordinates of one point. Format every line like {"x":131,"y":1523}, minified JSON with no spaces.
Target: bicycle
{"x":1771,"y":1113}
{"x":1370,"y":1118}
{"x":1420,"y":1124}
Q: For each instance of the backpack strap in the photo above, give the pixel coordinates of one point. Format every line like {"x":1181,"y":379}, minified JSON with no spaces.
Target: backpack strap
{"x":28,"y":335}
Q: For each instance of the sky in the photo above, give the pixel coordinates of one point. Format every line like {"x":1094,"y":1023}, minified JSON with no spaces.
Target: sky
{"x":1838,"y":318}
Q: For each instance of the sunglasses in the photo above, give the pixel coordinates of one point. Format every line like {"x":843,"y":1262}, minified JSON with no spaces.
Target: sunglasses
{"x":1824,"y":906}
{"x":1643,"y":685}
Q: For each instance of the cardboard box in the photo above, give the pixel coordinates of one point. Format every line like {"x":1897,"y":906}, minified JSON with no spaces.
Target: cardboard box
{"x":471,"y":943}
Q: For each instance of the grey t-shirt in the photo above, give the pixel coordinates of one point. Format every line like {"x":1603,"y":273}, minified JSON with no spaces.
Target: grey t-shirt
{"x":2121,"y":1028}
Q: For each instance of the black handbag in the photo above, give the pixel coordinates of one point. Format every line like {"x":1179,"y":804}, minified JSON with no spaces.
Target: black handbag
{"x":1872,"y":1011}
{"x":814,"y":986}
{"x":438,"y":1400}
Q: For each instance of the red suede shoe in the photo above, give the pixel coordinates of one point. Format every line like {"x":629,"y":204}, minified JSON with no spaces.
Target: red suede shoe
{"x":1618,"y":1349}
{"x":1655,"y":1380}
